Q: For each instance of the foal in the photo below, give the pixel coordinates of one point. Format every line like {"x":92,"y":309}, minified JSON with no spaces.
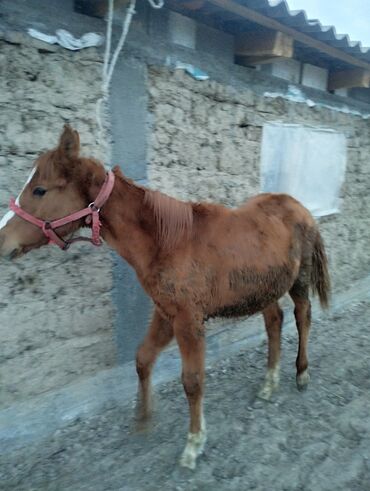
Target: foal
{"x":195,"y":260}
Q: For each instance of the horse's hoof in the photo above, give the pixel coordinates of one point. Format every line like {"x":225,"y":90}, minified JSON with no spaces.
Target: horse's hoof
{"x":265,"y":393}
{"x":194,"y":447}
{"x":143,"y":419}
{"x":188,"y":461}
{"x":270,"y":384}
{"x":142,"y":425}
{"x":268,"y":388}
{"x":303,"y":380}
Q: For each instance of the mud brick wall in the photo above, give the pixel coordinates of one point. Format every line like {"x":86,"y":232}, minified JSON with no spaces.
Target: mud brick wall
{"x":205,"y":145}
{"x":56,"y":314}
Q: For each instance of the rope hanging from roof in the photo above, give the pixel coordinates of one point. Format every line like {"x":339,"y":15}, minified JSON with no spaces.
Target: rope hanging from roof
{"x":156,"y":4}
{"x":110,"y":61}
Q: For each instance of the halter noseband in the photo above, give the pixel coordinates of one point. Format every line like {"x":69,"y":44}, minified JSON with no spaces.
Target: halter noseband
{"x":91,"y":213}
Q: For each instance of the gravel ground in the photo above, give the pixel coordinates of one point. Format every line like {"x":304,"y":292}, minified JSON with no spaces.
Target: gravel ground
{"x":313,"y":441}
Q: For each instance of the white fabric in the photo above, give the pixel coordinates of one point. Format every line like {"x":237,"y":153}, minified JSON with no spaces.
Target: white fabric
{"x":67,"y":40}
{"x":307,"y":163}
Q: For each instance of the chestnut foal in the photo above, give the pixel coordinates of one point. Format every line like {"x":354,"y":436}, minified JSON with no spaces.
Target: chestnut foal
{"x":195,"y":260}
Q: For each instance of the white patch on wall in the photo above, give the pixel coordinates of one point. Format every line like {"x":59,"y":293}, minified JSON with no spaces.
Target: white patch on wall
{"x":182,"y":30}
{"x":314,"y":76}
{"x":307,"y":163}
{"x":341,"y":92}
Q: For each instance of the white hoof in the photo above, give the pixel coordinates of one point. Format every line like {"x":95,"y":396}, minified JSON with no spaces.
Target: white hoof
{"x":270,"y":384}
{"x":265,"y":392}
{"x":194,"y":448}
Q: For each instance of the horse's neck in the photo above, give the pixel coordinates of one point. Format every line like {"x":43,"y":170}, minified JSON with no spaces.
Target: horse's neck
{"x":122,"y":225}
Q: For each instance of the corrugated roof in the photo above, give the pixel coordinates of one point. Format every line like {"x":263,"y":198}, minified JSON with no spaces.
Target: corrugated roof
{"x":217,"y":14}
{"x":297,"y":19}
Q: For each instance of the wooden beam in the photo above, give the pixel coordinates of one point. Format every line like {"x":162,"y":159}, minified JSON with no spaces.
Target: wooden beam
{"x":346,"y":79}
{"x":264,"y":45}
{"x":256,"y":60}
{"x":252,"y":15}
{"x":96,"y":8}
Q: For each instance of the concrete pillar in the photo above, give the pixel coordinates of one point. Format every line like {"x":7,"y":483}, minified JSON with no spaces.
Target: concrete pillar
{"x":128,"y":110}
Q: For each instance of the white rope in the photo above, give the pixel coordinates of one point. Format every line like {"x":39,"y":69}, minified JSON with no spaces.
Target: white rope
{"x":125,"y":27}
{"x":108,"y":68}
{"x":156,"y":5}
{"x":108,"y":38}
{"x":109,"y":65}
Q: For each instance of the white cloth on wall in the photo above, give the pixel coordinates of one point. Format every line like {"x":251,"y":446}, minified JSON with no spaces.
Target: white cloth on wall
{"x":67,"y":40}
{"x":305,"y":162}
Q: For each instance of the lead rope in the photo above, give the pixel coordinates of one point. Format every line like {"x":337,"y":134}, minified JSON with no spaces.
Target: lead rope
{"x":110,"y":62}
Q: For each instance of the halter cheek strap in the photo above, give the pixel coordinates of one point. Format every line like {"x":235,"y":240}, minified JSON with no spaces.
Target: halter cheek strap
{"x":91,"y":213}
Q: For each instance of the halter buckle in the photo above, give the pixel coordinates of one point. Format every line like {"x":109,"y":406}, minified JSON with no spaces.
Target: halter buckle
{"x":93,"y":207}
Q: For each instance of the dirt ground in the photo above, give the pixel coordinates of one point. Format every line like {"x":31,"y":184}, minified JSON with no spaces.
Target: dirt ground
{"x":313,"y":441}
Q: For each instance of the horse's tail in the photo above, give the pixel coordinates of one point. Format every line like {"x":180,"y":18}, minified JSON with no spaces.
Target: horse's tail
{"x":320,"y":279}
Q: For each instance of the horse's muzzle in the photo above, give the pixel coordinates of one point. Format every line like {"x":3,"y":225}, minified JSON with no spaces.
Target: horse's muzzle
{"x":8,"y":250}
{"x":2,"y":240}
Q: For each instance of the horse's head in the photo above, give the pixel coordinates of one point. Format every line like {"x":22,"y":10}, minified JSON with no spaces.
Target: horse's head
{"x":51,"y":191}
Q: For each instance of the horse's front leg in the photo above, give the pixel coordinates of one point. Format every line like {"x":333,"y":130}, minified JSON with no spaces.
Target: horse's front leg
{"x":159,"y":335}
{"x":189,"y":334}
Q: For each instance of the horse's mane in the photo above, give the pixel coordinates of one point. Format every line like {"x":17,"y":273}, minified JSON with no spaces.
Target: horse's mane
{"x":174,"y":218}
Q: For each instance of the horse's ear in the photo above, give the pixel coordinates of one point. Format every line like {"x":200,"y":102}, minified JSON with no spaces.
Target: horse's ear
{"x":69,"y":143}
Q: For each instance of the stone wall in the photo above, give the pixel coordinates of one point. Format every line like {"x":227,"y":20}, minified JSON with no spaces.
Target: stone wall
{"x":56,"y":311}
{"x":56,"y":314}
{"x":205,"y":145}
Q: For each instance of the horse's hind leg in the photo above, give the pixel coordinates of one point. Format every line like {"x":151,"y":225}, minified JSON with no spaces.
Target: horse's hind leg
{"x":159,"y":335}
{"x":302,"y":312}
{"x":273,"y":317}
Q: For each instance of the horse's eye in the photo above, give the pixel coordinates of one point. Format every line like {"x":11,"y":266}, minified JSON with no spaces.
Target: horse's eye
{"x":39,"y":191}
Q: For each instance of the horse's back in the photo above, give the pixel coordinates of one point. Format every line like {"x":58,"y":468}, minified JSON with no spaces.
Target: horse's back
{"x":278,"y":205}
{"x":260,"y":233}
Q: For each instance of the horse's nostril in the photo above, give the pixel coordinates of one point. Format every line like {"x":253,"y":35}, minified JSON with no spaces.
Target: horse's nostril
{"x":12,"y":255}
{"x":2,"y":239}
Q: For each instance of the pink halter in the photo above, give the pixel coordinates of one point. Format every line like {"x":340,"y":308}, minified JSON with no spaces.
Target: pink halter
{"x":91,"y":213}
